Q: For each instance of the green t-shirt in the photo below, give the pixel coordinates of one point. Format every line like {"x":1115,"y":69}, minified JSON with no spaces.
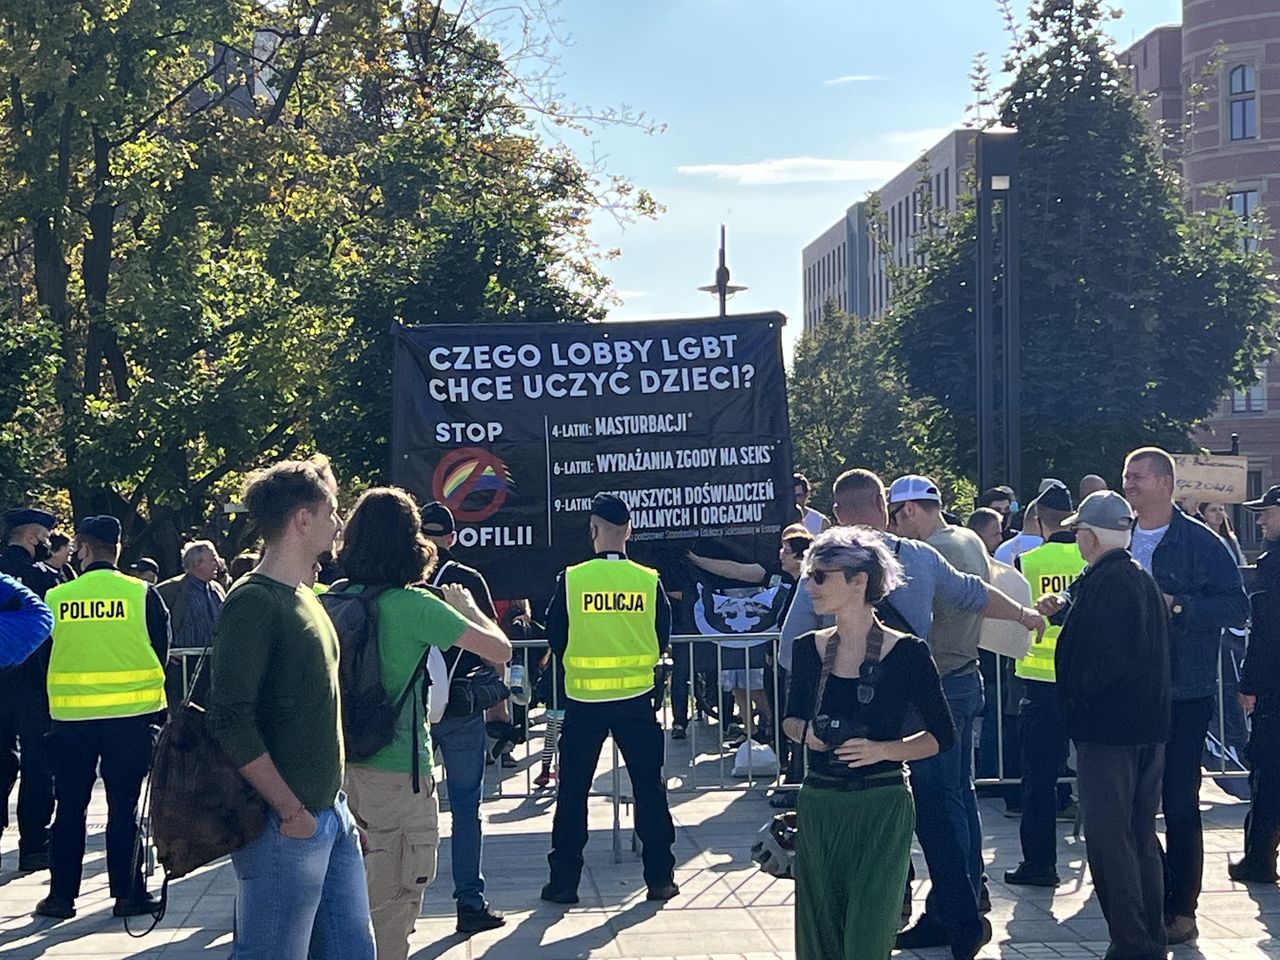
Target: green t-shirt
{"x":275,"y":686}
{"x":409,"y":621}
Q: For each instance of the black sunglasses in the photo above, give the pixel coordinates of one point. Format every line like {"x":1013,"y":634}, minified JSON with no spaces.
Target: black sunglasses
{"x":893,"y":514}
{"x":820,"y":576}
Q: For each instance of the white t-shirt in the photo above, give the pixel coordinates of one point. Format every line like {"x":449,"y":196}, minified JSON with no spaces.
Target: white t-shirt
{"x":1144,"y":545}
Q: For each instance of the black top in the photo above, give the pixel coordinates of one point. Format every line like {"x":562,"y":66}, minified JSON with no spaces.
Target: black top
{"x":452,"y":571}
{"x":1112,"y":657}
{"x":1260,"y":676}
{"x":908,"y":700}
{"x":558,"y":615}
{"x":23,"y":688}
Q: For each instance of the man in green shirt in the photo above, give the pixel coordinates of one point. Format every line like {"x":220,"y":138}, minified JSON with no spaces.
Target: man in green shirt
{"x":274,"y":708}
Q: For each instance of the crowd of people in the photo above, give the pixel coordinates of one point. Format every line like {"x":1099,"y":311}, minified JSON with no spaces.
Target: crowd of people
{"x":881,"y":699}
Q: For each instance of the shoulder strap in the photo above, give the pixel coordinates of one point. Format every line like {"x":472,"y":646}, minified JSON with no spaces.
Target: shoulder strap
{"x":435,"y":580}
{"x":828,"y":661}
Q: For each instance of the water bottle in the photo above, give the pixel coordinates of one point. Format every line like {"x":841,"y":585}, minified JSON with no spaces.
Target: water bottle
{"x":519,"y":691}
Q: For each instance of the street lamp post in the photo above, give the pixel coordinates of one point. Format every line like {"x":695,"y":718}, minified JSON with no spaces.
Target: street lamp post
{"x":722,"y":289}
{"x":996,"y":167}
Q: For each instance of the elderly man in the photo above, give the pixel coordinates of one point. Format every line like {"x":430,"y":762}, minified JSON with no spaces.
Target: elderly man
{"x":194,"y":599}
{"x":1113,"y":685}
{"x":1202,"y":589}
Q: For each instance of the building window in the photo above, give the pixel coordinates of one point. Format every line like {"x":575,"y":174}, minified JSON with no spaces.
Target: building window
{"x":1243,"y":103}
{"x":1252,"y":400}
{"x":1244,"y":204}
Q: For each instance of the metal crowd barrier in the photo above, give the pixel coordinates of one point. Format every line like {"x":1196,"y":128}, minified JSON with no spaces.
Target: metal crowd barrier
{"x":702,"y":761}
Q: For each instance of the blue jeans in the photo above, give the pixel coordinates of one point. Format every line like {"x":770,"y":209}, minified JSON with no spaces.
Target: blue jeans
{"x":303,"y":899}
{"x":462,"y":744}
{"x":947,"y":821}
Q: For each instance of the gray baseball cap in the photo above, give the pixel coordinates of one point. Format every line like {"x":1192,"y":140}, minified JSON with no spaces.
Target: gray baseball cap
{"x":1106,"y":510}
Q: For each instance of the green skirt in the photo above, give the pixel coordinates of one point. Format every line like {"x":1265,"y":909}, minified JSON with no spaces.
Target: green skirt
{"x":853,"y":849}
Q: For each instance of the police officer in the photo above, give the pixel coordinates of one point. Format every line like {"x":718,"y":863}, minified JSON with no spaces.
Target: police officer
{"x":106,"y":688}
{"x":1049,"y":568}
{"x":608,"y":622}
{"x":1260,"y":698}
{"x":24,"y":709}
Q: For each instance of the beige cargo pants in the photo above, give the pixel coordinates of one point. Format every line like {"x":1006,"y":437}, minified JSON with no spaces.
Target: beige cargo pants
{"x":404,"y":837}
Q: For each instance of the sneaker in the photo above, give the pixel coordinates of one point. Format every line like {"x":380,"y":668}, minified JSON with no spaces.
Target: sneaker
{"x":553,"y":895}
{"x":926,"y":933}
{"x":1069,"y":813}
{"x":473,"y":920}
{"x":545,"y":778}
{"x":1246,"y":872}
{"x":677,"y":733}
{"x":1013,"y":813}
{"x":1180,"y":929}
{"x":663,"y":892}
{"x":56,"y":907}
{"x":509,"y":762}
{"x":1026,"y":875}
{"x":141,"y":905}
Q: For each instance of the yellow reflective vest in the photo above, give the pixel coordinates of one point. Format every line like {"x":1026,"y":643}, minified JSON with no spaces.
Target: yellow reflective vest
{"x":1049,"y":568}
{"x":613,"y":635}
{"x":102,"y":664}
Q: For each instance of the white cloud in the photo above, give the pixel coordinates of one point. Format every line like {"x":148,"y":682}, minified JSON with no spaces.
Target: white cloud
{"x":852,"y":78}
{"x":794,"y":170}
{"x":632,"y":294}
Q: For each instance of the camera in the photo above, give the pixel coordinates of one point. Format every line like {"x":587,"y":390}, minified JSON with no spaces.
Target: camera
{"x":834,"y":731}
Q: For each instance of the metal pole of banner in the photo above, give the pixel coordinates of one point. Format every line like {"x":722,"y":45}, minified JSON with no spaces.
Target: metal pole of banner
{"x":984,"y":324}
{"x":1000,"y":719}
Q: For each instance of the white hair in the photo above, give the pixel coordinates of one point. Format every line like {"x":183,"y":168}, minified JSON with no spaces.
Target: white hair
{"x":857,"y":550}
{"x":194,"y":551}
{"x":1110,"y":539}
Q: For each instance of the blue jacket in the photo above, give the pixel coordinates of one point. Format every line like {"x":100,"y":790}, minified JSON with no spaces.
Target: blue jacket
{"x":25,"y":622}
{"x":1194,"y":566}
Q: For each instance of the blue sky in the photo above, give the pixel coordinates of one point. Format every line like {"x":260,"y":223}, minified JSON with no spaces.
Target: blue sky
{"x":779,"y":115}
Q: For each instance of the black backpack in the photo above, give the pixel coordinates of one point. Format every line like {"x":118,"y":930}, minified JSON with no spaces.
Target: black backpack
{"x":368,"y":712}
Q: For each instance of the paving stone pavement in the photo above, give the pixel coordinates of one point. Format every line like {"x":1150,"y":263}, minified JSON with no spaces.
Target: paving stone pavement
{"x":727,"y":909}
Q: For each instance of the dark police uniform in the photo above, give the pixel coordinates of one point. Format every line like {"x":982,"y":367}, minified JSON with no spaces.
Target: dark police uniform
{"x":608,"y":623}
{"x":1260,"y":678}
{"x":24,"y":712}
{"x":106,"y":689}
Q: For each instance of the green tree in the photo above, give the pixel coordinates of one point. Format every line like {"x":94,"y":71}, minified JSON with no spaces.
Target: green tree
{"x":1136,"y":315}
{"x":214,"y":210}
{"x":849,"y":409}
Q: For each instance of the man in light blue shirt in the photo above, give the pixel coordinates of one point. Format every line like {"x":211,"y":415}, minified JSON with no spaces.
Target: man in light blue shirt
{"x":951,"y":915}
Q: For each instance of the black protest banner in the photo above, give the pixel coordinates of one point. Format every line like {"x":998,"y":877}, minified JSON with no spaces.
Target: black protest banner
{"x":517,"y":426}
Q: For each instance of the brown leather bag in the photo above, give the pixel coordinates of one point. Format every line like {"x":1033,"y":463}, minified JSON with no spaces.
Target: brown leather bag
{"x":201,"y":807}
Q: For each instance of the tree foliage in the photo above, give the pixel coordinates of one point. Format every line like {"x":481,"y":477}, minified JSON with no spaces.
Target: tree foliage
{"x":212,"y":212}
{"x":1136,"y":314}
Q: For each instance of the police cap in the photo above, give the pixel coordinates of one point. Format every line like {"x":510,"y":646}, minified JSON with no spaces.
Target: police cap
{"x":105,"y":528}
{"x":1269,"y":499}
{"x":1055,"y":497}
{"x":611,"y":509}
{"x":22,"y":517}
{"x":145,"y":565}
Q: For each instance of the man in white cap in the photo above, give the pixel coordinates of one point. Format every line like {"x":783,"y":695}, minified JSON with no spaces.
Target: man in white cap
{"x":1114,"y":689}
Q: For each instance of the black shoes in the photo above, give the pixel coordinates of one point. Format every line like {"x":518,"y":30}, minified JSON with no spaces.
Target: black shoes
{"x":967,"y":951}
{"x":925,"y":934}
{"x":984,"y":899}
{"x":663,"y":892}
{"x":139,"y":905}
{"x":1028,"y":876}
{"x":1180,"y":929}
{"x":1246,"y":872}
{"x":472,"y":920}
{"x":56,"y":907}
{"x":32,"y":862}
{"x":553,"y":895}
{"x":678,"y":732}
